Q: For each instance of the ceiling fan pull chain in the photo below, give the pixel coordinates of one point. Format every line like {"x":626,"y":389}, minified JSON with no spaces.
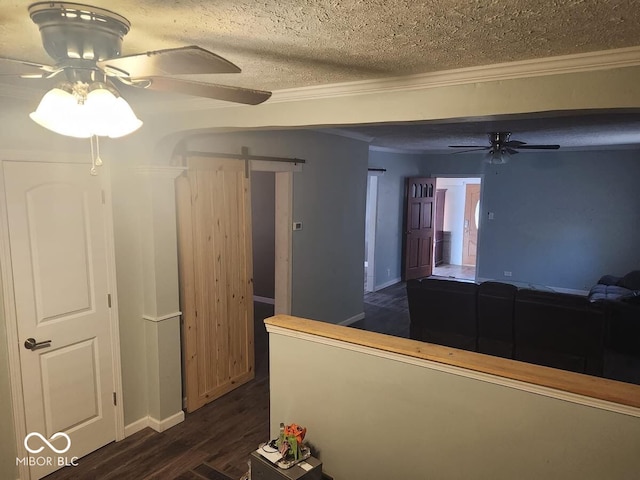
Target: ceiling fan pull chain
{"x":98,"y":160}
{"x":93,"y":170}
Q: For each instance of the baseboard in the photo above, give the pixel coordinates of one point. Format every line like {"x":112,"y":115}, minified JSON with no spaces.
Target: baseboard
{"x":351,"y":320}
{"x":386,"y":284}
{"x":167,"y":423}
{"x":270,"y":301}
{"x":136,"y":426}
{"x":157,"y":425}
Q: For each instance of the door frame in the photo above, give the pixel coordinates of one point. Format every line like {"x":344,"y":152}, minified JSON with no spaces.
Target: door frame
{"x":371,"y":212}
{"x":9,"y":307}
{"x":283,"y":229}
{"x":481,"y":218}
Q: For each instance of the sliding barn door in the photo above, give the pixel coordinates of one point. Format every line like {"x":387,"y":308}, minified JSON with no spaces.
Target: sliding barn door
{"x":216,"y":284}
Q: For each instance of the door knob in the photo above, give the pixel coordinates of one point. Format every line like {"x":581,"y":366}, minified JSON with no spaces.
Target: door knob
{"x":31,"y":344}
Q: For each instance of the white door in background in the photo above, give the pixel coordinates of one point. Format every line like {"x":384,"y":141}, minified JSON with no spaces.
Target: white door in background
{"x":57,"y":236}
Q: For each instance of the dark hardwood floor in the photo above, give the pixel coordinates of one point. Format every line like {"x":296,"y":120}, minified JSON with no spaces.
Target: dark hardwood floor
{"x":215,"y":442}
{"x":217,"y":438}
{"x":386,"y":311}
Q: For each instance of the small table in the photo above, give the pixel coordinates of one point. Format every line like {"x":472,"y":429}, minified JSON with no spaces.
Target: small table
{"x":263,"y":469}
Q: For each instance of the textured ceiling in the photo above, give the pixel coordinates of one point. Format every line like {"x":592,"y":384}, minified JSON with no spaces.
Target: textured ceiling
{"x":293,"y":43}
{"x":585,"y":130}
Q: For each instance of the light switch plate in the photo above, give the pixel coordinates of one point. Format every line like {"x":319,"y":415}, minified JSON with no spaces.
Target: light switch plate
{"x":297,"y":225}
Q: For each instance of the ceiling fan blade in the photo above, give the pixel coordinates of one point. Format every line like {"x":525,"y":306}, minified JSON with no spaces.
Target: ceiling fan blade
{"x":190,"y":60}
{"x":511,"y":151}
{"x":23,"y":68}
{"x":539,"y":147}
{"x":514,"y":143}
{"x":474,"y":149}
{"x":469,"y":146}
{"x":208,"y":90}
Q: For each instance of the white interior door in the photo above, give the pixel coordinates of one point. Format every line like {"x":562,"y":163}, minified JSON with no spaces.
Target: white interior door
{"x":57,"y":236}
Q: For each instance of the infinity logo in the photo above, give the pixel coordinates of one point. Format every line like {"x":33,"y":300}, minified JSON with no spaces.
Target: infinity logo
{"x":47,"y":442}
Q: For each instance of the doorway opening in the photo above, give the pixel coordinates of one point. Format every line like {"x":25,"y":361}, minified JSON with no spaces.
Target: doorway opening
{"x":370,"y":232}
{"x":263,"y":229}
{"x":457,"y":219}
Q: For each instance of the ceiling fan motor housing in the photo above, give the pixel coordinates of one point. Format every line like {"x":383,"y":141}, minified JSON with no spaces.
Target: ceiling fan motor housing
{"x":73,"y":32}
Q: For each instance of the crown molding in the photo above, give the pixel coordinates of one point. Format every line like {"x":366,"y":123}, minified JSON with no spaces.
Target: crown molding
{"x":559,"y":65}
{"x":576,"y":63}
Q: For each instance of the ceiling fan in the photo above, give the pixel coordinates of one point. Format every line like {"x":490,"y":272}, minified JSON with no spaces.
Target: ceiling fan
{"x":85,"y":43}
{"x":501,"y":147}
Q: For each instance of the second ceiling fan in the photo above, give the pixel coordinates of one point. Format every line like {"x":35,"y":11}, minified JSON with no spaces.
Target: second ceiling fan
{"x":501,"y":147}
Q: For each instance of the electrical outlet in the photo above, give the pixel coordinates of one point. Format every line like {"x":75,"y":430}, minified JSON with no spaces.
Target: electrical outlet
{"x":297,"y":225}
{"x":492,"y":215}
{"x":507,"y":273}
{"x":388,"y":273}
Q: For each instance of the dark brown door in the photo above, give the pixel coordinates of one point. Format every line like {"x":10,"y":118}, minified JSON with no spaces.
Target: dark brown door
{"x":418,"y":245}
{"x":470,"y":235}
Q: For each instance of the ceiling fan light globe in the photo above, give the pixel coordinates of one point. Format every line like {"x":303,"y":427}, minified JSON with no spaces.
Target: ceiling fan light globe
{"x":99,"y":100}
{"x":123,"y":120}
{"x":59,"y":112}
{"x":97,"y":110}
{"x":497,"y":157}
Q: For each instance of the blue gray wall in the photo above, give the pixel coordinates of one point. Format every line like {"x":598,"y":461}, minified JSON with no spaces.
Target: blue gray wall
{"x":329,"y":198}
{"x":562,"y":219}
{"x":388,"y":246}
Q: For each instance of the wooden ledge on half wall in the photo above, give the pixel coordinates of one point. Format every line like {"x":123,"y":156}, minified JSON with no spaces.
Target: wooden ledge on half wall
{"x":595,"y":387}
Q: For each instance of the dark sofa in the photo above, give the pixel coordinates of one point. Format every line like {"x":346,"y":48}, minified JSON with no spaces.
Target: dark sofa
{"x":591,"y":335}
{"x":620,"y":297}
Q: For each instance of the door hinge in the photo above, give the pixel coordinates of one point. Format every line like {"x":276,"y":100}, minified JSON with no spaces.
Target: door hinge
{"x":109,"y":299}
{"x":115,"y":399}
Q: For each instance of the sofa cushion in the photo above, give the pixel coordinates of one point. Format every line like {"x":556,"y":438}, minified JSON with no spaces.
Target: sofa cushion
{"x":495,"y":318}
{"x":444,"y":312}
{"x":631,"y":280}
{"x":622,"y":343}
{"x":632,"y":299}
{"x":608,"y":292}
{"x":609,"y":280}
{"x":559,"y":330}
